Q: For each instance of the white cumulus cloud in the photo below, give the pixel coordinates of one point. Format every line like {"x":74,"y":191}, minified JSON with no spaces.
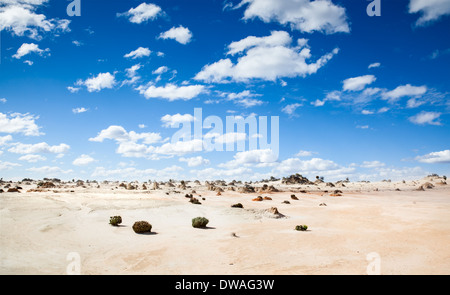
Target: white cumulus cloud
{"x":138,"y":53}
{"x":21,"y":19}
{"x":265,"y":58}
{"x":30,"y":158}
{"x":404,"y":90}
{"x":19,"y":123}
{"x":79,"y":110}
{"x":119,"y":134}
{"x":42,"y":147}
{"x":83,"y":160}
{"x":27,"y":48}
{"x":358,"y":83}
{"x":303,"y":15}
{"x":430,"y":10}
{"x":176,"y":120}
{"x":5,"y":139}
{"x":8,"y":165}
{"x":291,"y":108}
{"x":172,"y":92}
{"x":180,"y":34}
{"x":99,"y":82}
{"x":195,"y":161}
{"x":142,"y":13}
{"x":435,"y":157}
{"x":424,"y":118}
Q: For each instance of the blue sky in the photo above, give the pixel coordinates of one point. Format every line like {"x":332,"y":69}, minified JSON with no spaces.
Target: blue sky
{"x":99,"y":96}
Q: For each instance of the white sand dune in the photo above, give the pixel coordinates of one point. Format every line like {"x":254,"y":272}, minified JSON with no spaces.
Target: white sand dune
{"x":408,"y":229}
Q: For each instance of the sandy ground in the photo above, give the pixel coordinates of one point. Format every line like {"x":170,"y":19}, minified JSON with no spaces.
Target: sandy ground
{"x":409,"y":230}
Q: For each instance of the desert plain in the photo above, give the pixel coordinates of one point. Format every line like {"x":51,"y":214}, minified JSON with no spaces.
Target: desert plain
{"x":405,"y":225}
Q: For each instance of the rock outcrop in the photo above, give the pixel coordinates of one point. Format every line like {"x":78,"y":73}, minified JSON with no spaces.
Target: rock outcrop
{"x":296,"y":179}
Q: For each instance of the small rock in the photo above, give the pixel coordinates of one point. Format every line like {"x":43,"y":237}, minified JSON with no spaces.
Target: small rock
{"x":274,"y":213}
{"x":195,"y":201}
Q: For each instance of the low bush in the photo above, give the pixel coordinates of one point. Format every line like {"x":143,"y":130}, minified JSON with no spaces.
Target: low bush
{"x":301,"y":227}
{"x":141,"y":227}
{"x":115,"y":220}
{"x":199,"y":222}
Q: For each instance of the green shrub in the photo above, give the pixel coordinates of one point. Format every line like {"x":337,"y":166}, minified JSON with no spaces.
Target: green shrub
{"x":199,"y":222}
{"x":141,"y":227}
{"x":115,"y":220}
{"x":301,"y":227}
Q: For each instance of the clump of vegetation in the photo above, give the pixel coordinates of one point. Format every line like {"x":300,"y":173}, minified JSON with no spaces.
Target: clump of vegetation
{"x":115,"y":220}
{"x":238,"y":205}
{"x":293,"y":197}
{"x":301,"y":227}
{"x":258,"y":199}
{"x":141,"y":227}
{"x":268,"y":198}
{"x":199,"y":222}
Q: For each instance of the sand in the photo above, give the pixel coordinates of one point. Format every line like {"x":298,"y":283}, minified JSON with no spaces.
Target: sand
{"x":408,"y":230}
